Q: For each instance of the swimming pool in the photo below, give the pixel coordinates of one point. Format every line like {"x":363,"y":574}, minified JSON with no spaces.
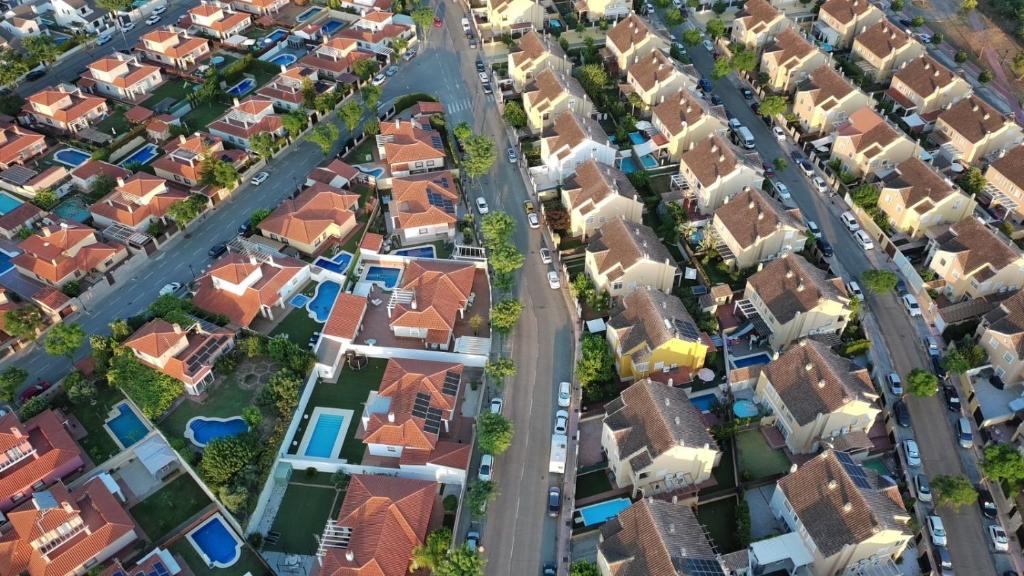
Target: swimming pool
{"x":603,"y":511}
{"x":275,"y":36}
{"x":330,"y":27}
{"x":745,"y":409}
{"x":142,"y":156}
{"x":5,"y":262}
{"x":242,"y":88}
{"x":418,"y":252}
{"x":321,"y":304}
{"x":8,"y":203}
{"x":383,"y":275}
{"x":637,"y":138}
{"x":375,"y":172}
{"x":324,"y":435}
{"x":308,"y":14}
{"x":202,"y":430}
{"x":704,"y":403}
{"x":299,"y":301}
{"x":284,"y":59}
{"x":648,"y":161}
{"x":216,"y":61}
{"x":338,"y":264}
{"x":215,"y":543}
{"x":752,"y":360}
{"x":71,"y":157}
{"x":126,"y":426}
{"x":73,"y":208}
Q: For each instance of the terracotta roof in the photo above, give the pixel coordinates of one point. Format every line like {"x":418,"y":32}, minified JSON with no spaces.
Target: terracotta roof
{"x":441,"y":288}
{"x":387,"y":518}
{"x":410,"y":386}
{"x":629,"y":31}
{"x":232,"y":268}
{"x":791,"y":285}
{"x":20,"y":216}
{"x":751,"y":216}
{"x":620,"y":244}
{"x":845,"y":11}
{"x":138,"y":199}
{"x":652,"y":70}
{"x":15,"y":140}
{"x":372,"y":241}
{"x":311,"y":214}
{"x":869,"y":132}
{"x":346,"y":316}
{"x":973,"y":119}
{"x":678,"y":111}
{"x":919,"y":183}
{"x":548,"y":88}
{"x":407,"y":141}
{"x":834,"y":510}
{"x":129,"y":71}
{"x":54,"y":451}
{"x":187,"y":352}
{"x":925,"y":76}
{"x":570,"y":131}
{"x":93,"y":168}
{"x":70,"y":106}
{"x":655,"y":537}
{"x":758,"y":14}
{"x":333,"y":170}
{"x":790,"y":47}
{"x":1011,"y":165}
{"x":647,"y":319}
{"x":710,"y":159}
{"x":420,"y":200}
{"x":445,"y":453}
{"x":56,"y":251}
{"x":593,"y":183}
{"x":883,"y":39}
{"x":828,"y":87}
{"x":978,"y":248}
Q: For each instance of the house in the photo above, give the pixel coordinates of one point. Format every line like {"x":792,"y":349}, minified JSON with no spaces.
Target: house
{"x":650,"y":332}
{"x":319,"y":216}
{"x":915,"y":198}
{"x":25,"y":216}
{"x":335,"y":57}
{"x":423,"y":208}
{"x":242,"y":287}
{"x":344,"y":323}
{"x":571,"y":140}
{"x":1001,"y":334}
{"x":382,"y":520}
{"x":535,"y":53}
{"x":136,"y":202}
{"x":246,"y":119}
{"x":680,"y":119}
{"x":19,"y":23}
{"x":362,"y":7}
{"x":19,"y":145}
{"x":840,"y":20}
{"x":409,"y":147}
{"x":287,"y":89}
{"x":184,"y":157}
{"x":61,"y":532}
{"x":654,"y":76}
{"x":60,"y":252}
{"x":630,"y":40}
{"x":757,"y":22}
{"x":971,"y":131}
{"x":843,"y":515}
{"x":594,"y":10}
{"x":790,"y":59}
{"x":37,"y":453}
{"x":1005,"y":178}
{"x":218,"y":20}
{"x":755,"y":228}
{"x":336,"y":174}
{"x":656,"y":440}
{"x":623,"y":256}
{"x":414,"y":405}
{"x":715,"y":171}
{"x":551,"y":94}
{"x":86,"y":174}
{"x":817,"y":398}
{"x":433,"y":295}
{"x":825,"y":100}
{"x":514,"y":16}
{"x":597,"y":194}
{"x":379,"y":32}
{"x":882,"y":48}
{"x":923,"y":88}
{"x":656,"y":537}
{"x":122,"y":77}
{"x":795,"y":300}
{"x":64,"y":108}
{"x":867,"y":145}
{"x":83,"y":15}
{"x":174,"y":48}
{"x":259,"y":7}
{"x":185,"y":353}
{"x":974,"y":261}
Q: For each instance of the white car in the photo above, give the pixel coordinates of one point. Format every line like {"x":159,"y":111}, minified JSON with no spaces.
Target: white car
{"x":545,"y":255}
{"x":128,"y":26}
{"x":864,"y":240}
{"x":924,"y":491}
{"x":553,"y":280}
{"x":735,"y":124}
{"x":153,"y":19}
{"x":850,"y":221}
{"x":481,"y":205}
{"x":409,"y":54}
{"x":561,"y":422}
{"x":378,"y":79}
{"x":103,"y":39}
{"x":854,"y":289}
{"x":999,"y":540}
{"x":465,"y":24}
{"x":812,"y":226}
{"x":160,"y":9}
{"x":533,"y":220}
{"x":937,"y":530}
{"x":820,"y":184}
{"x":170,"y":288}
{"x":780,"y":134}
{"x":259,"y":178}
{"x":677,"y":3}
{"x":496,"y":404}
{"x":483,"y":77}
{"x":913,"y":456}
{"x":486,"y":468}
{"x":782,"y":190}
{"x":511,"y":155}
{"x":911,"y":305}
{"x":564,"y":394}
{"x":895,"y":383}
{"x":709,"y":46}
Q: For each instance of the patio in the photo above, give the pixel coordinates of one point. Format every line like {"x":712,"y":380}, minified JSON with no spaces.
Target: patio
{"x":757,"y":459}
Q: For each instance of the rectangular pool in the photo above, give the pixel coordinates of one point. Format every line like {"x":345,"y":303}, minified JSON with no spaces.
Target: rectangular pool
{"x":339,"y":264}
{"x":418,"y":252}
{"x":330,"y":27}
{"x":127,"y":427}
{"x":603,"y":511}
{"x":5,"y":262}
{"x":384,"y":275}
{"x":752,"y":360}
{"x":324,"y":435}
{"x":704,"y":403}
{"x":8,"y":203}
{"x":142,"y":156}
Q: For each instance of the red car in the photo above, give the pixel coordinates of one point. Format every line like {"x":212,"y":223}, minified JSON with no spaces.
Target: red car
{"x":437,"y":21}
{"x":769,"y":169}
{"x":34,"y":390}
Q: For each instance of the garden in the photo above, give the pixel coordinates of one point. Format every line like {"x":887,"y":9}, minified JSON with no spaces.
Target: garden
{"x":170,"y":507}
{"x":757,"y":459}
{"x":98,"y":443}
{"x":310,"y":499}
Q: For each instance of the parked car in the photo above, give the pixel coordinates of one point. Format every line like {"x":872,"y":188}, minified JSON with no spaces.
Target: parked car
{"x":35,"y":75}
{"x":735,"y":124}
{"x":378,"y":79}
{"x":806,"y":167}
{"x":937,"y":530}
{"x":217,"y":251}
{"x":438,"y":22}
{"x":465,"y":24}
{"x":780,"y":134}
{"x":496,"y":404}
{"x":895,"y":383}
{"x":782,"y":191}
{"x":912,"y":453}
{"x":748,"y":94}
{"x":850,"y":221}
{"x":170,"y":288}
{"x":910,"y":305}
{"x":931,"y":346}
{"x":548,"y":570}
{"x":824,"y":247}
{"x":553,"y":281}
{"x":34,"y":390}
{"x":483,"y":77}
{"x":812,"y":226}
{"x":153,"y":19}
{"x":709,"y":46}
{"x":103,"y":39}
{"x":998,"y":537}
{"x":854,"y":289}
{"x":409,"y":54}
{"x":391,"y":71}
{"x":259,"y":178}
{"x":944,"y":562}
{"x":245,"y":228}
{"x":480,"y":66}
{"x":561,"y":421}
{"x":511,"y":155}
{"x":128,"y":26}
{"x":987,"y":504}
{"x":487,"y":88}
{"x":481,"y":205}
{"x":545,"y":255}
{"x":864,"y":240}
{"x":952,"y":398}
{"x":554,"y":500}
{"x":924,"y":491}
{"x":769,"y":169}
{"x":564,"y":394}
{"x":472,"y":539}
{"x":160,"y":9}
{"x":533,"y":220}
{"x":486,"y":468}
{"x":902,"y":414}
{"x":819,"y":184}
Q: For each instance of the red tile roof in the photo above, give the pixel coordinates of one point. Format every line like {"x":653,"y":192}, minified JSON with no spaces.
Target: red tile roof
{"x":304,"y":219}
{"x":59,"y":250}
{"x":441,"y":290}
{"x":404,"y":382}
{"x":56,"y":453}
{"x":346,"y":316}
{"x":415,"y":199}
{"x":269,"y":278}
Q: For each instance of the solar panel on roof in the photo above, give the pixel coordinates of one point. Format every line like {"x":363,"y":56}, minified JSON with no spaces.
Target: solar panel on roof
{"x":421,"y":405}
{"x":451,"y":382}
{"x":686,"y":329}
{"x":436,"y":141}
{"x":161,"y":570}
{"x":854,"y":470}
{"x":703,"y":567}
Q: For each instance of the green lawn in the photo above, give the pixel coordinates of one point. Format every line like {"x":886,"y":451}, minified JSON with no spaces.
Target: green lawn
{"x":248,"y":562}
{"x":352,"y":243}
{"x":174,"y":88}
{"x":98,"y":444}
{"x":724,"y":473}
{"x":201,"y":116}
{"x":720,"y":519}
{"x":263,"y":72}
{"x":358,"y":154}
{"x":303,"y":513}
{"x":224,"y":401}
{"x":116,"y":121}
{"x":592,"y":484}
{"x":756,"y":458}
{"x":173,"y":504}
{"x":298,"y":326}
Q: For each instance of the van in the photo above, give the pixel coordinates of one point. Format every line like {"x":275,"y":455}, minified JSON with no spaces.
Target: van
{"x":850,"y":221}
{"x":745,"y":137}
{"x":465,"y":24}
{"x":963,"y":432}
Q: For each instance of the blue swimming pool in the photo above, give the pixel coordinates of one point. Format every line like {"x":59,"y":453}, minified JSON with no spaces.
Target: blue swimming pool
{"x":242,"y":88}
{"x":628,"y":165}
{"x":603,"y":511}
{"x":71,"y":157}
{"x":752,"y":360}
{"x":142,"y":156}
{"x":324,"y":435}
{"x":73,"y":208}
{"x":216,"y":543}
{"x":284,"y":59}
{"x":339,"y":264}
{"x":745,"y":409}
{"x":648,"y":161}
{"x":127,"y":426}
{"x":275,"y":36}
{"x":375,"y":172}
{"x":330,"y":27}
{"x":388,"y":277}
{"x":320,"y":305}
{"x":8,"y":203}
{"x":5,"y":262}
{"x":299,"y":301}
{"x":637,"y":138}
{"x":418,"y":252}
{"x":308,"y":14}
{"x":217,"y":61}
{"x":704,"y":403}
{"x":201,"y":431}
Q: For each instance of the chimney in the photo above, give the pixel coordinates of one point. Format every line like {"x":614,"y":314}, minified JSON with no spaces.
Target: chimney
{"x":413,"y":304}
{"x":760,"y":215}
{"x":821,"y":383}
{"x":832,"y":484}
{"x":667,"y":402}
{"x":283,"y":68}
{"x":808,"y":367}
{"x":800,"y":286}
{"x":672,"y":528}
{"x":847,"y":507}
{"x":350,"y":556}
{"x":176,"y":327}
{"x":235,"y":100}
{"x":391,"y":417}
{"x":751,"y":205}
{"x":181,"y":138}
{"x":120,"y":181}
{"x":985,"y":116}
{"x":678,"y":421}
{"x":789,"y":273}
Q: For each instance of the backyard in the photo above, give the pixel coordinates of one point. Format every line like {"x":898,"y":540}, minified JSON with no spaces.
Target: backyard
{"x":174,"y":89}
{"x":725,"y":473}
{"x":248,"y":562}
{"x":719,"y":518}
{"x":298,"y":326}
{"x":307,"y":504}
{"x":115,"y":123}
{"x":757,"y":459}
{"x":169,"y":507}
{"x":592,"y":484}
{"x":365,"y":148}
{"x":98,"y":444}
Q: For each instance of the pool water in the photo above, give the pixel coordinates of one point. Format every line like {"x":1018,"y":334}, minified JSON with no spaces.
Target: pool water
{"x":74,"y":209}
{"x":628,"y":165}
{"x":745,"y":409}
{"x":204,"y":430}
{"x":704,"y":403}
{"x":308,"y":14}
{"x":299,"y":301}
{"x":127,"y":427}
{"x":339,"y":264}
{"x":242,"y":88}
{"x":417,"y":252}
{"x":217,"y":60}
{"x":753,"y":360}
{"x":321,"y":304}
{"x":384,"y":275}
{"x":214,"y":540}
{"x":330,"y":27}
{"x":375,"y":172}
{"x":637,"y":138}
{"x":142,"y":156}
{"x":8,"y":203}
{"x":325,"y":433}
{"x":283,"y":59}
{"x":275,"y":36}
{"x":648,"y":161}
{"x":603,"y":511}
{"x":71,"y":157}
{"x":5,"y":262}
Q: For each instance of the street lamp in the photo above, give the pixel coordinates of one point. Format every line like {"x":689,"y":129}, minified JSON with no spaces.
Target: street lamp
{"x":190,"y":269}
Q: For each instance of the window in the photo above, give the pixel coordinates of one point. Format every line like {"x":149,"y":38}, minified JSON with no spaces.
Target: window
{"x":418,"y":164}
{"x":993,"y":342}
{"x":617,"y":285}
{"x":1007,"y":357}
{"x":422,"y":231}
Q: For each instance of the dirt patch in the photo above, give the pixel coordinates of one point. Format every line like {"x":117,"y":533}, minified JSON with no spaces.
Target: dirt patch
{"x":1001,"y":45}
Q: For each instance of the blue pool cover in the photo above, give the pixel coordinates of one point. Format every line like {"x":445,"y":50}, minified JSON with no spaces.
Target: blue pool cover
{"x":330,"y":27}
{"x":205,"y":431}
{"x":602,"y":512}
{"x":127,"y":425}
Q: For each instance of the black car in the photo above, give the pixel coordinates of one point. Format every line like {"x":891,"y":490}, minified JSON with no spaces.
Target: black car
{"x":937,"y":367}
{"x":35,"y":75}
{"x":899,"y":410}
{"x":747,"y":93}
{"x":824,"y":247}
{"x":906,"y":22}
{"x":554,"y":500}
{"x":217,"y":251}
{"x":901,"y":288}
{"x":480,"y":67}
{"x":755,"y":107}
{"x":715,"y":100}
{"x":952,"y":398}
{"x":245,"y":228}
{"x":988,"y":505}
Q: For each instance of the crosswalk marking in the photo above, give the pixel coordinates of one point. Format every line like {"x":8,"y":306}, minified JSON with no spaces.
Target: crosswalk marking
{"x":458,"y":105}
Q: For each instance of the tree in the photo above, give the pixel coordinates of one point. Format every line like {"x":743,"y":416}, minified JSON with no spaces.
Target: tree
{"x":258,"y":216}
{"x":743,"y":60}
{"x":325,"y":135}
{"x":879,"y":281}
{"x":461,"y":562}
{"x":115,"y":5}
{"x":462,"y":131}
{"x":428,"y":555}
{"x":46,"y":199}
{"x":494,"y":433}
{"x":479,"y":494}
{"x":584,"y":568}
{"x":691,"y":37}
{"x":719,"y":7}
{"x":968,"y":5}
{"x":33,"y":407}
{"x":41,"y":48}
{"x":593,"y":77}
{"x":10,"y":379}
{"x":896,"y":5}
{"x":500,"y":369}
{"x":372,"y":126}
{"x":184,"y":211}
{"x":505,"y":259}
{"x":308,"y":93}
{"x":505,"y":314}
{"x":985,"y":76}
{"x":351,"y":113}
{"x":23,"y":322}
{"x":937,"y":38}
{"x":252,"y":416}
{"x":515,"y":116}
{"x":964,"y":356}
{"x":102,"y":185}
{"x":80,"y":390}
{"x":262,"y":144}
{"x":723,"y":67}
{"x":953,"y":491}
{"x":595,"y":362}
{"x":772,"y":105}
{"x":960,"y":57}
{"x":715,"y":28}
{"x":917,"y":21}
{"x":12,"y":67}
{"x":154,"y":392}
{"x":780,"y":164}
{"x":326,"y":102}
{"x":64,"y":339}
{"x":1003,"y":462}
{"x":480,"y":155}
{"x":922,"y":383}
{"x":172,"y":309}
{"x":424,"y":18}
{"x":364,"y":69}
{"x":223,"y":458}
{"x":973,"y":181}
{"x":371,"y":96}
{"x":295,"y":122}
{"x":497,"y":229}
